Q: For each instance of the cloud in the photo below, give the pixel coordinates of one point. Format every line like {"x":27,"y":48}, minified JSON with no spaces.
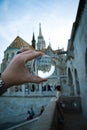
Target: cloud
{"x":18,"y":17}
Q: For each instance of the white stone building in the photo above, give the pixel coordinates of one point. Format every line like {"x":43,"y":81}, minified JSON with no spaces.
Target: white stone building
{"x":59,"y":76}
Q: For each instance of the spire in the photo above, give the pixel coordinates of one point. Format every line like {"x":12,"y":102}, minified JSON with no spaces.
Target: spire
{"x":41,"y":42}
{"x":49,"y":44}
{"x":33,"y":41}
{"x":33,"y":38}
{"x":40,"y":32}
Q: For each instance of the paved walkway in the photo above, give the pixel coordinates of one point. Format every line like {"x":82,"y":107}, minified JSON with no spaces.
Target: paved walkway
{"x":74,"y":121}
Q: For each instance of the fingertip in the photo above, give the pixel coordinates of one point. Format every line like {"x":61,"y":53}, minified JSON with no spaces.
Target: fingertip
{"x":44,"y":79}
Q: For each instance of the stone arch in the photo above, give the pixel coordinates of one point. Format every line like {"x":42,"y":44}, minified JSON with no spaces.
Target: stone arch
{"x":86,"y":61}
{"x":70,"y":82}
{"x":77,"y":83}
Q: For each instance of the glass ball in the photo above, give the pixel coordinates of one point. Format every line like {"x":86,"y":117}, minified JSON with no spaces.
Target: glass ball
{"x":45,"y":66}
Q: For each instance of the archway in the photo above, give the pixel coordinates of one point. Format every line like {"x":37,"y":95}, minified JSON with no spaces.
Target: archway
{"x":70,"y":82}
{"x":77,"y":83}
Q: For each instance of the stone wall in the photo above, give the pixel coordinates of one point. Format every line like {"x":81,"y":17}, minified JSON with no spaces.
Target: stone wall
{"x":80,"y":45}
{"x":79,"y":62}
{"x":14,"y":109}
{"x":71,"y":103}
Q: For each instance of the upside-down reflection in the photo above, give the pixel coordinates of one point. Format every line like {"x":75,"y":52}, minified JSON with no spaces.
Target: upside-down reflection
{"x":43,"y":74}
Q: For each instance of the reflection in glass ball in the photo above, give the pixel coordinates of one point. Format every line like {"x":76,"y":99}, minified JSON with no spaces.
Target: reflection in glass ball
{"x":45,"y":66}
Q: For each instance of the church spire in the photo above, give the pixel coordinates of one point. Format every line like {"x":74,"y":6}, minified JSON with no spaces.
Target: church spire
{"x":41,"y":42}
{"x":49,"y":43}
{"x":33,"y":41}
{"x":40,"y":32}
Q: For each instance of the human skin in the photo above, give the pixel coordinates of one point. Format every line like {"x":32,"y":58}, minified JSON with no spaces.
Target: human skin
{"x":17,"y":73}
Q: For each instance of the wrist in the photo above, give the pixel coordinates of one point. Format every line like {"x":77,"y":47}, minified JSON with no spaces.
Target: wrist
{"x":5,"y":80}
{"x":3,"y":87}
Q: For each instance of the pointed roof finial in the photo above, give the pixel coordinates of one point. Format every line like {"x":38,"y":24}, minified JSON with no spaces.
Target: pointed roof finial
{"x":49,"y":43}
{"x":40,"y":32}
{"x":33,"y":38}
{"x":33,"y":41}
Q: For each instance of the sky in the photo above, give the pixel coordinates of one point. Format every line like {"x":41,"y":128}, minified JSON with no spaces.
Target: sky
{"x":22,"y":18}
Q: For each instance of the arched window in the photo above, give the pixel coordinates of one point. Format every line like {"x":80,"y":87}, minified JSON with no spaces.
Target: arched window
{"x":70,"y":82}
{"x":77,"y":83}
{"x":86,"y":61}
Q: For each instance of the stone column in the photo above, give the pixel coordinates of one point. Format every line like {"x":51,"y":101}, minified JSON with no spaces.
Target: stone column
{"x":40,"y":88}
{"x":23,"y":90}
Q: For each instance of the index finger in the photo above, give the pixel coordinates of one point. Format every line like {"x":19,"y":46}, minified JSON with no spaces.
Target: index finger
{"x":32,"y":55}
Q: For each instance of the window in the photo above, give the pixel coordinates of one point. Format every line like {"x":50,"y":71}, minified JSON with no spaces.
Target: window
{"x":77,"y":82}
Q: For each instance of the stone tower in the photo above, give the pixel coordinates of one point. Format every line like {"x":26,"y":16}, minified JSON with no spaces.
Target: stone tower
{"x":41,"y":42}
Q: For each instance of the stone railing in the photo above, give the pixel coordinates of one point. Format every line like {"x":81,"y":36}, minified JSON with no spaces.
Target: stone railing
{"x":24,"y":126}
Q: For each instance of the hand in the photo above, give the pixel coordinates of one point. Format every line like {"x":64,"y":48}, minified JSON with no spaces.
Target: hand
{"x":17,"y":73}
